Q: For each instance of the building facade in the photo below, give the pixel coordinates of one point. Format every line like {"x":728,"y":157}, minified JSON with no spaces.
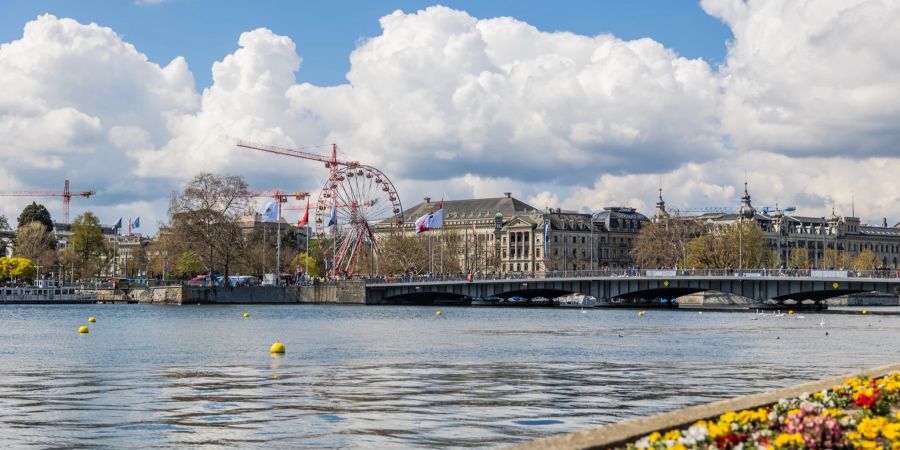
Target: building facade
{"x":820,"y":236}
{"x":506,"y":235}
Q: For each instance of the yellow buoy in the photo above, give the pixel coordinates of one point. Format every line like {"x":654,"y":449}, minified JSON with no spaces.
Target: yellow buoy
{"x":277,"y":347}
{"x":83,"y":329}
{"x":865,"y":311}
{"x":790,"y":311}
{"x":438,"y":313}
{"x":246,"y":314}
{"x":92,"y":319}
{"x":640,"y":313}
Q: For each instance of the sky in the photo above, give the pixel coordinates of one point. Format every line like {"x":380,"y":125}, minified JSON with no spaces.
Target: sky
{"x":578,"y":105}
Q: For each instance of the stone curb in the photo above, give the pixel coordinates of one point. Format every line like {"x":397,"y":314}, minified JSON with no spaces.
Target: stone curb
{"x":630,"y":430}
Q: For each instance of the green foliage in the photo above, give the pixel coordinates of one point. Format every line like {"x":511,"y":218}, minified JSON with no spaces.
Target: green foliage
{"x":293,"y":238}
{"x":87,"y":244}
{"x":36,"y":213}
{"x":799,"y":258}
{"x":722,"y":247}
{"x":188,"y":265}
{"x":664,"y":244}
{"x":301,"y":259}
{"x":865,"y":260}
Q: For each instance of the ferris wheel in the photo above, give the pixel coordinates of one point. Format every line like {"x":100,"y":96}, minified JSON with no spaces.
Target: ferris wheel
{"x":355,"y":198}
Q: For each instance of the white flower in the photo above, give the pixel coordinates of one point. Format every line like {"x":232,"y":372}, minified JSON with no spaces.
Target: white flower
{"x":643,"y":442}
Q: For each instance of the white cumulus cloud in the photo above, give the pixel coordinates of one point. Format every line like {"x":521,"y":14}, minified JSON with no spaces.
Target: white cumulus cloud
{"x":806,"y":104}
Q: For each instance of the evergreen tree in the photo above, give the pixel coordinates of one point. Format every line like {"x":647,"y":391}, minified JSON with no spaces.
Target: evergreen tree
{"x":36,"y":213}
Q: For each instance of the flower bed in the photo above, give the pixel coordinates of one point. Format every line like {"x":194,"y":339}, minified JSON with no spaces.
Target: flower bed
{"x":860,"y":413}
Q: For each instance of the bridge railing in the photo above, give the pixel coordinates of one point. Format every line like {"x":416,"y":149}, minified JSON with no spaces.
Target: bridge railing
{"x":649,"y":273}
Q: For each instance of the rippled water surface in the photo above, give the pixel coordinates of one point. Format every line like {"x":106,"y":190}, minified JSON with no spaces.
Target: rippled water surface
{"x":390,"y":377}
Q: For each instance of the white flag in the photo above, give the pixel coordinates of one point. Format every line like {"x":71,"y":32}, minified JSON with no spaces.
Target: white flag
{"x":272,"y":212}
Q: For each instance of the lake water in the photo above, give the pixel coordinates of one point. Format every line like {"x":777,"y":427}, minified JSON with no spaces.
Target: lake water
{"x":390,"y":377}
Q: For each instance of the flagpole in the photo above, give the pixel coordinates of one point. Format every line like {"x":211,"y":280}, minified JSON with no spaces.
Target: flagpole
{"x":278,"y":248}
{"x":307,"y":247}
{"x":467,"y":250}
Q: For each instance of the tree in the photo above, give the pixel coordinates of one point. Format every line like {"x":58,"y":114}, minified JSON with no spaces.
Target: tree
{"x":204,"y":219}
{"x":4,"y":228}
{"x":664,"y":244}
{"x":799,"y":258}
{"x":188,"y":265}
{"x":137,"y":262}
{"x":34,"y":242}
{"x":865,"y":260}
{"x":301,"y":259}
{"x":87,"y":244}
{"x":36,"y":213}
{"x":19,"y":268}
{"x":837,"y":259}
{"x":723,"y":247}
{"x":403,"y":254}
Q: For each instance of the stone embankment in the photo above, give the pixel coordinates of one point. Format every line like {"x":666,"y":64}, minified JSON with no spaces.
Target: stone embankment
{"x":711,"y":298}
{"x":618,"y":434}
{"x":342,"y":292}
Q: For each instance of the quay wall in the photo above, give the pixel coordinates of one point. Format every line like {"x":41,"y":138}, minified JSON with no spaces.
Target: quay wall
{"x":619,"y":434}
{"x":711,"y":298}
{"x":342,"y":292}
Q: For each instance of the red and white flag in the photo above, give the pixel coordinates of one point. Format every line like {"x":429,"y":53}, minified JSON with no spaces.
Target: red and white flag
{"x":431,"y":221}
{"x":305,"y":219}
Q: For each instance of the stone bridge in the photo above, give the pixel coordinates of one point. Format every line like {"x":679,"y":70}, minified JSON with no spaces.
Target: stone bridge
{"x":759,"y":289}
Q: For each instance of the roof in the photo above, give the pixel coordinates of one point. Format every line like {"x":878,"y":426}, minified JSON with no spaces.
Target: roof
{"x":476,"y":208}
{"x":806,"y":219}
{"x":618,"y":212}
{"x":880,"y":231}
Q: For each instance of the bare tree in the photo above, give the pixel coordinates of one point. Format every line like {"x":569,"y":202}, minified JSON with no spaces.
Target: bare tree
{"x":205,"y":219}
{"x":34,"y":242}
{"x":665,"y":243}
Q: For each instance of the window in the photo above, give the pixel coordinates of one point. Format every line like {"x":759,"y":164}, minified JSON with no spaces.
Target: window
{"x":582,"y":240}
{"x":555,"y":238}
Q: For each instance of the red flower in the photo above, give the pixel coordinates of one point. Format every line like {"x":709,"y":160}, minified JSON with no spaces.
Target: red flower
{"x":865,"y":400}
{"x":729,"y":440}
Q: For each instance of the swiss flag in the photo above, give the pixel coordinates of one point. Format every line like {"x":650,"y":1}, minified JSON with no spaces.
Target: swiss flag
{"x":305,"y":219}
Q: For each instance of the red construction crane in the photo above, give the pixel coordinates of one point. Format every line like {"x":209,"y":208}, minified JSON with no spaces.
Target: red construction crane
{"x":354,"y":200}
{"x":65,"y":194}
{"x":330,"y":163}
{"x":278,"y":194}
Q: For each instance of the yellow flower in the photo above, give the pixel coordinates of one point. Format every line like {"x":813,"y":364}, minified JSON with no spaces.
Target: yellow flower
{"x":654,"y":436}
{"x":718,"y":429}
{"x":833,"y":412}
{"x":891,"y":431}
{"x":871,"y":426}
{"x":895,"y":445}
{"x":870,"y":445}
{"x":785,"y":440}
{"x":728,"y":417}
{"x":793,"y":411}
{"x":678,"y":447}
{"x":672,"y":435}
{"x":818,"y":396}
{"x":853,"y":435}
